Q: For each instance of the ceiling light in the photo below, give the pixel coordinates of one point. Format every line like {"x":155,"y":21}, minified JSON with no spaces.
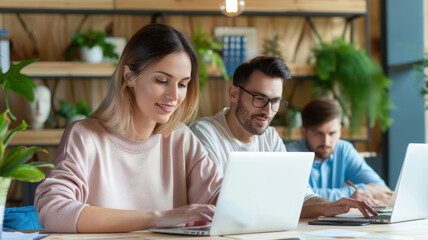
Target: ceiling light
{"x":232,"y":8}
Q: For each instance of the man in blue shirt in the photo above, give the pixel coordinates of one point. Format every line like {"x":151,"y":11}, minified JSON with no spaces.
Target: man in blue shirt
{"x":336,"y":160}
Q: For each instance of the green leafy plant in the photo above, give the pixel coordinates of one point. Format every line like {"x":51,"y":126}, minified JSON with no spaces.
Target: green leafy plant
{"x":13,"y":164}
{"x":293,"y":119}
{"x":421,"y":73}
{"x":207,"y":48}
{"x":18,"y":83}
{"x":91,"y":38}
{"x":271,"y":47}
{"x":355,"y":81}
{"x":68,"y":111}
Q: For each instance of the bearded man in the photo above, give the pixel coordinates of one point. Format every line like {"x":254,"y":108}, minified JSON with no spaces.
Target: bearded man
{"x":256,"y":96}
{"x":336,"y":160}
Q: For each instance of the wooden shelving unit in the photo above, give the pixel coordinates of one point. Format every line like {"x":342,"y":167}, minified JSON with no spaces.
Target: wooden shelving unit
{"x":44,"y":137}
{"x":253,"y":7}
{"x":58,"y":4}
{"x":76,"y":70}
{"x":51,"y":69}
{"x":295,"y":134}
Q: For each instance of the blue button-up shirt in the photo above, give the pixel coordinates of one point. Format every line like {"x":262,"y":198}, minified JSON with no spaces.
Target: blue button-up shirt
{"x":328,"y":177}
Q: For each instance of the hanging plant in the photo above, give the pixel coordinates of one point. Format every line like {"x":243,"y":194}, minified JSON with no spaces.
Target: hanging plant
{"x":356,"y":82}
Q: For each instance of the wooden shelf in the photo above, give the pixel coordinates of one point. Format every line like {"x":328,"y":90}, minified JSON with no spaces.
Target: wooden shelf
{"x":346,"y":8}
{"x":355,"y":6}
{"x":44,"y":137}
{"x":58,"y":4}
{"x":69,"y":70}
{"x":301,"y":70}
{"x":346,"y":134}
{"x":105,"y":70}
{"x":297,"y":71}
{"x":51,"y":137}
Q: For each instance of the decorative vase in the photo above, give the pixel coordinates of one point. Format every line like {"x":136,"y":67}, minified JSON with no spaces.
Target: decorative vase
{"x":4,"y":187}
{"x":92,"y":55}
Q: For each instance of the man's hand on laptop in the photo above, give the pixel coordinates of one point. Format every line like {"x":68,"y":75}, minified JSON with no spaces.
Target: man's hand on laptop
{"x":187,"y":215}
{"x":362,"y":195}
{"x":343,"y":205}
{"x":381,"y":194}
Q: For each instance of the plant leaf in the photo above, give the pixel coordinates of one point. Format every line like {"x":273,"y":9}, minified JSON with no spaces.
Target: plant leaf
{"x":207,"y":47}
{"x":20,"y":127}
{"x":18,"y":156}
{"x":42,"y":164}
{"x":17,"y":82}
{"x":91,"y":38}
{"x":356,"y":81}
{"x":4,"y":124}
{"x":26,"y":173}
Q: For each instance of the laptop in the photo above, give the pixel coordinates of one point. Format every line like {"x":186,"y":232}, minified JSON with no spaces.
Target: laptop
{"x":261,"y":192}
{"x":410,"y":198}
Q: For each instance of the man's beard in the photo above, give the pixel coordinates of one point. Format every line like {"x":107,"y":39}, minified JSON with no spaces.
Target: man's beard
{"x":246,"y":120}
{"x":323,"y":155}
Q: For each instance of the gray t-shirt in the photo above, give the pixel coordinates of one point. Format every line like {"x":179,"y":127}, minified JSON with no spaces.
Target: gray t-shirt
{"x":218,"y":139}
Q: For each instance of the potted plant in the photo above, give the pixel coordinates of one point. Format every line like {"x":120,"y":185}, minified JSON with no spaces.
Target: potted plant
{"x":271,"y":46}
{"x":207,"y":48}
{"x":77,"y":111}
{"x":421,"y":73}
{"x":92,"y":45}
{"x":13,"y":163}
{"x":355,"y":81}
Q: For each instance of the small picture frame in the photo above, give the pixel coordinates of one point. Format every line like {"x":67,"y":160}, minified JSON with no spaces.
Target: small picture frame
{"x":250,"y":32}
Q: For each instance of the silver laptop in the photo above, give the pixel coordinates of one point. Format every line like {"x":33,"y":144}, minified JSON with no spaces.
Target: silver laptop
{"x":261,"y":192}
{"x":410,"y":199}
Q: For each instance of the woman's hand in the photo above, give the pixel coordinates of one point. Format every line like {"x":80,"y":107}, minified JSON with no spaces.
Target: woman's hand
{"x":186,"y":215}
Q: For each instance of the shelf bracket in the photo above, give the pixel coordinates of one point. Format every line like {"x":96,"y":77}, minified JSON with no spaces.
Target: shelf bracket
{"x":155,"y":16}
{"x":313,"y":28}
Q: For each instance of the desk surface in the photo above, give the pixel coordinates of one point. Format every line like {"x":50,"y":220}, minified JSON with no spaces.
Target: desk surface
{"x":405,"y":230}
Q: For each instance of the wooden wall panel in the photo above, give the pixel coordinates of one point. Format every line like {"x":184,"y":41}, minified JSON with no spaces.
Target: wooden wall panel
{"x":307,"y":5}
{"x":58,"y":4}
{"x":251,"y":5}
{"x":52,"y":34}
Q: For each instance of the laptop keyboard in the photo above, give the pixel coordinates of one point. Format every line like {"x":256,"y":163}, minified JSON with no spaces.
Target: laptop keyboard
{"x":381,"y":218}
{"x":197,"y":228}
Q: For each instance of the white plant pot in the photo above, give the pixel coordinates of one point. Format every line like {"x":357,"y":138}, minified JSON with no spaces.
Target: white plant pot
{"x":4,"y":187}
{"x":92,"y":55}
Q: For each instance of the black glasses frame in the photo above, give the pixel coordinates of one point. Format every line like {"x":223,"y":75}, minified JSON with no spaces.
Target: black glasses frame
{"x":269,"y":100}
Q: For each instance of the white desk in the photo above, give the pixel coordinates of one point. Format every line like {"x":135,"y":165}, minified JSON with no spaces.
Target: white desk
{"x":406,"y":230}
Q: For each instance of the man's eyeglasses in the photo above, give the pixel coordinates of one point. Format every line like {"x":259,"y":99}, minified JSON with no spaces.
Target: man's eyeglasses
{"x":260,"y":101}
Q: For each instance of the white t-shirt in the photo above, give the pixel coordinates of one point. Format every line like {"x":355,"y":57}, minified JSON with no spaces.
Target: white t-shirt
{"x":215,"y":135}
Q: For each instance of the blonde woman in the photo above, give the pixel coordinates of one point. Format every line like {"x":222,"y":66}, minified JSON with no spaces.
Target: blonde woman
{"x":133,"y":164}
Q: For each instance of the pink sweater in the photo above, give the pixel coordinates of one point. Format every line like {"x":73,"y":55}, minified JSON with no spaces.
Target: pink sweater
{"x":98,"y":167}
